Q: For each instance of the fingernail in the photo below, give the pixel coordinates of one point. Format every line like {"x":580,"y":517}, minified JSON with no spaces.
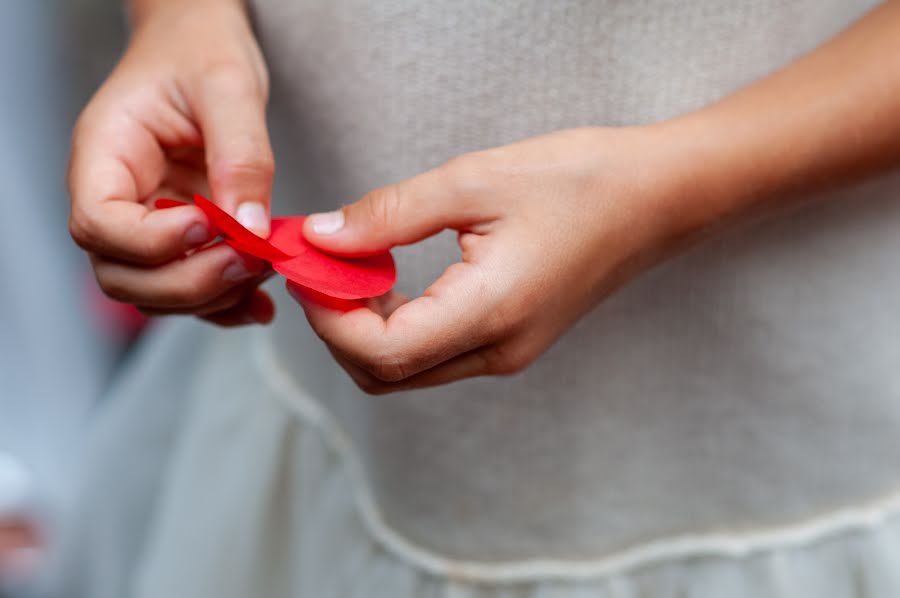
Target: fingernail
{"x":197,"y":234}
{"x":254,"y":216}
{"x":327,"y":223}
{"x":236,"y":272}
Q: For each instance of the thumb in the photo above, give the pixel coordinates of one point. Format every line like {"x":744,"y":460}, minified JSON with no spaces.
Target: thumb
{"x":231,"y":111}
{"x":398,"y":214}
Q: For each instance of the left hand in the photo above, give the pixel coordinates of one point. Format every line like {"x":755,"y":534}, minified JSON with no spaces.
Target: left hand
{"x":547,"y":227}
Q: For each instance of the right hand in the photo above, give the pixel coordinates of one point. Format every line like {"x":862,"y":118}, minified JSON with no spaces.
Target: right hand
{"x":182,"y":113}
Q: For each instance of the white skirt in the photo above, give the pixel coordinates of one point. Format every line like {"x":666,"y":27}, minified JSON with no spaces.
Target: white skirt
{"x":211,"y":475}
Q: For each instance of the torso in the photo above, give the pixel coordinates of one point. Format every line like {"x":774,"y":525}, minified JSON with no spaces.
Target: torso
{"x":750,"y":385}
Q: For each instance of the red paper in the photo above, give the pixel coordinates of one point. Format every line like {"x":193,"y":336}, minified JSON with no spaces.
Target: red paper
{"x":344,"y":278}
{"x":163,"y":204}
{"x":236,"y":235}
{"x":296,"y":259}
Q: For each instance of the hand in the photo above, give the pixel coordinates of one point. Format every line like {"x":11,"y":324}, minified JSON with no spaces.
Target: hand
{"x":182,"y":113}
{"x":547,"y":228}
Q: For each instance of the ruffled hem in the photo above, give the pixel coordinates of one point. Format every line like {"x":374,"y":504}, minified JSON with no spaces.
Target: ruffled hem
{"x":266,"y":499}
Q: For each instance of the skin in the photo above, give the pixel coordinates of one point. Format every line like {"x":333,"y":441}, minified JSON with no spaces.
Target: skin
{"x":183,"y":112}
{"x":600,"y":204}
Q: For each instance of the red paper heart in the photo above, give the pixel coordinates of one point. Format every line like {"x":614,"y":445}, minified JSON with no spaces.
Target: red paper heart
{"x":344,"y":278}
{"x":296,"y":259}
{"x":236,"y":235}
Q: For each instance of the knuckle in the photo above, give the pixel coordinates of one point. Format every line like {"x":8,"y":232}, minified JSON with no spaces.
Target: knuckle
{"x":468,"y":174}
{"x":508,"y":360}
{"x":246,"y":159}
{"x":230,"y":78}
{"x":390,"y":367}
{"x":79,"y":233}
{"x":112,"y":287}
{"x":371,"y":386}
{"x":382,"y":207}
{"x":82,"y":229}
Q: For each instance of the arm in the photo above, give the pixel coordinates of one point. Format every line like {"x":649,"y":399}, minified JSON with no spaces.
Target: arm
{"x":550,"y":226}
{"x":832,"y":117}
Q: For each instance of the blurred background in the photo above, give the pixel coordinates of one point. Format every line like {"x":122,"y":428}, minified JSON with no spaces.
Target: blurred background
{"x":53,"y":54}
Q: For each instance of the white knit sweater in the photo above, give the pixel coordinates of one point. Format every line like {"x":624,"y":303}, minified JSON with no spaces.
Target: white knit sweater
{"x":708,"y":396}
{"x":740,"y":400}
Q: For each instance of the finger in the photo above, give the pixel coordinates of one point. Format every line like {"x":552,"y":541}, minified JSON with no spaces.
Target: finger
{"x":231,"y":109}
{"x":257,"y":308}
{"x":115,"y":163}
{"x":184,"y":283}
{"x":402,"y":213}
{"x":253,"y":306}
{"x":230,"y":298}
{"x":388,"y":303}
{"x":469,"y":365}
{"x":457,"y":314}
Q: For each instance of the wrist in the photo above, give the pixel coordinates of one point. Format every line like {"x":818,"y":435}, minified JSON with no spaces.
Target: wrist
{"x":704,"y":179}
{"x":668,"y":179}
{"x":142,"y":12}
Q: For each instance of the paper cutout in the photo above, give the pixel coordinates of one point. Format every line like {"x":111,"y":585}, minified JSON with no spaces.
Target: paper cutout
{"x":162,"y":204}
{"x":297,"y":259}
{"x":236,"y":235}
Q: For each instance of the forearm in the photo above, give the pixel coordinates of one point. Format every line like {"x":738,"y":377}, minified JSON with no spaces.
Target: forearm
{"x":140,"y":11}
{"x":831,"y":117}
